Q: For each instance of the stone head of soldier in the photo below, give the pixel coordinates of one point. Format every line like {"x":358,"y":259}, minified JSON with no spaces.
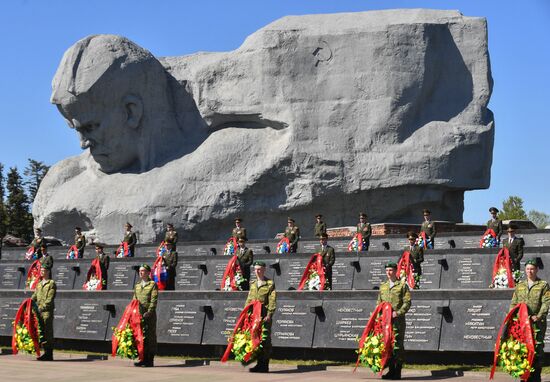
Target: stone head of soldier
{"x":115,"y":94}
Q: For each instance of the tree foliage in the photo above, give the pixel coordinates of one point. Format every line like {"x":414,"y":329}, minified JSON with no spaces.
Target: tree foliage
{"x":34,"y":173}
{"x":512,"y":209}
{"x":540,"y":219}
{"x":19,"y":220}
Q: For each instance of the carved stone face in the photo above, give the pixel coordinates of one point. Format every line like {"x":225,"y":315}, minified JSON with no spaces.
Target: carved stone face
{"x":103,"y":128}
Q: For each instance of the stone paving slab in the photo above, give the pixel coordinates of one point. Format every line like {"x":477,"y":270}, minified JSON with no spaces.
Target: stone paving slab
{"x":71,"y":367}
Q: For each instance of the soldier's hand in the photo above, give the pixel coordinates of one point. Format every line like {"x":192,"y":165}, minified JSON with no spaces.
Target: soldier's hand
{"x":534,"y":318}
{"x":267,"y":319}
{"x":394,"y":314}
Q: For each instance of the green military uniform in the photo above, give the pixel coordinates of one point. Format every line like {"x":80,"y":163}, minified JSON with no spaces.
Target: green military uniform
{"x":239,"y":233}
{"x":417,"y":257}
{"x":147,"y":295}
{"x":245,"y":257}
{"x":44,"y":296}
{"x":399,"y":297}
{"x":46,"y":261}
{"x":131,"y":240}
{"x":328,"y":261}
{"x":516,"y":250}
{"x":366,"y":231}
{"x":171,"y":262}
{"x":104,"y":261}
{"x":37,"y":243}
{"x":495,"y":225}
{"x":171,"y":237}
{"x":537,"y":299}
{"x":267,"y":295}
{"x":320,"y":229}
{"x":80,"y":244}
{"x":293,"y":236}
{"x":428,"y":227}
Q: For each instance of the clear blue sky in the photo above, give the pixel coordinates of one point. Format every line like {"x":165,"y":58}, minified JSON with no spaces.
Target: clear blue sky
{"x":35,"y":34}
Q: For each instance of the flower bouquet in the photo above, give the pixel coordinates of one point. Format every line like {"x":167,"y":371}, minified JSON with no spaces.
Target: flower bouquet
{"x":515,"y":345}
{"x":31,"y":254}
{"x":72,"y":253}
{"x":162,"y":249}
{"x":376,"y":344}
{"x":283,"y":246}
{"x":356,"y":244}
{"x":233,"y":278}
{"x":313,"y":277}
{"x":423,"y":242}
{"x":33,"y":275}
{"x":128,"y":334}
{"x":160,"y":273}
{"x":405,"y":270}
{"x":94,"y":278}
{"x":27,"y":329}
{"x":489,"y":239}
{"x":123,"y":250}
{"x":246,"y":341}
{"x":230,"y":247}
{"x":503,"y":277}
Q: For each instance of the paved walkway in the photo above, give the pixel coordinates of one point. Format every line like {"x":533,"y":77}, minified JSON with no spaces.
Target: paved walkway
{"x":69,"y":367}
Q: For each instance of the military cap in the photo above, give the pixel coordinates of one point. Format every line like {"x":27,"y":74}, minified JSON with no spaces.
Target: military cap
{"x":99,"y":245}
{"x":38,"y":229}
{"x":324,"y":235}
{"x":493,"y":209}
{"x":363,"y":215}
{"x":319,"y":216}
{"x":47,"y":267}
{"x":169,"y":225}
{"x":391,"y":264}
{"x":78,"y":229}
{"x":532,"y":262}
{"x":260,"y":263}
{"x":241,"y":239}
{"x":146,"y":267}
{"x":412,"y":235}
{"x":291,"y":220}
{"x":238,"y":220}
{"x":129,"y":225}
{"x":511,"y":227}
{"x":426,"y":211}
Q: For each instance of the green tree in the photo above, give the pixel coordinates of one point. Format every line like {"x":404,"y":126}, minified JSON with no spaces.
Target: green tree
{"x":540,"y":219}
{"x":34,"y":173}
{"x":3,"y":222}
{"x":512,"y":208}
{"x":19,"y":220}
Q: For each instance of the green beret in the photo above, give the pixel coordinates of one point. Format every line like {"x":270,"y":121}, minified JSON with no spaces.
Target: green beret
{"x":145,"y":266}
{"x":391,"y":264}
{"x":532,"y":262}
{"x":259,"y":263}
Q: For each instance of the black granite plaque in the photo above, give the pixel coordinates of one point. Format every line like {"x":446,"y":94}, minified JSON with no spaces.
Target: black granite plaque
{"x":371,"y":272}
{"x":219,"y":324}
{"x":293,"y":323}
{"x":10,"y":276}
{"x":63,"y":276}
{"x":81,"y":319}
{"x":431,"y":272}
{"x":215,"y":267}
{"x":540,"y":239}
{"x":424,"y":324}
{"x":189,"y":275}
{"x":180,"y":321}
{"x":292,"y":270}
{"x":472,"y":325}
{"x":342,"y":324}
{"x":115,"y":314}
{"x":467,"y":271}
{"x":342,"y":273}
{"x":122,"y":275}
{"x":8,"y":309}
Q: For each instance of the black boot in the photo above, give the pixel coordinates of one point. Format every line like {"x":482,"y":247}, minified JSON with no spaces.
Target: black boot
{"x":149,"y":361}
{"x":535,"y":375}
{"x":397,"y":371}
{"x":261,"y":367}
{"x":391,"y":371}
{"x":141,"y":363}
{"x":47,"y":356}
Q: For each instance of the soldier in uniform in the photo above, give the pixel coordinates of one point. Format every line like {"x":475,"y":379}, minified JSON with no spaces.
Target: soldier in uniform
{"x":46,"y":260}
{"x":171,"y":236}
{"x":130,"y":239}
{"x":397,"y":293}
{"x":495,"y":223}
{"x":239,"y":231}
{"x":44,"y":296}
{"x":104,"y":261}
{"x":428,"y":227}
{"x":417,"y":253}
{"x":292,"y":233}
{"x":320,"y":226}
{"x":79,"y":241}
{"x":515,"y":247}
{"x":170,"y":259}
{"x":536,"y":294}
{"x":37,"y":243}
{"x":365,"y":230}
{"x":146,"y":292}
{"x":245,"y":256}
{"x":263,"y":290}
{"x":328,"y":260}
